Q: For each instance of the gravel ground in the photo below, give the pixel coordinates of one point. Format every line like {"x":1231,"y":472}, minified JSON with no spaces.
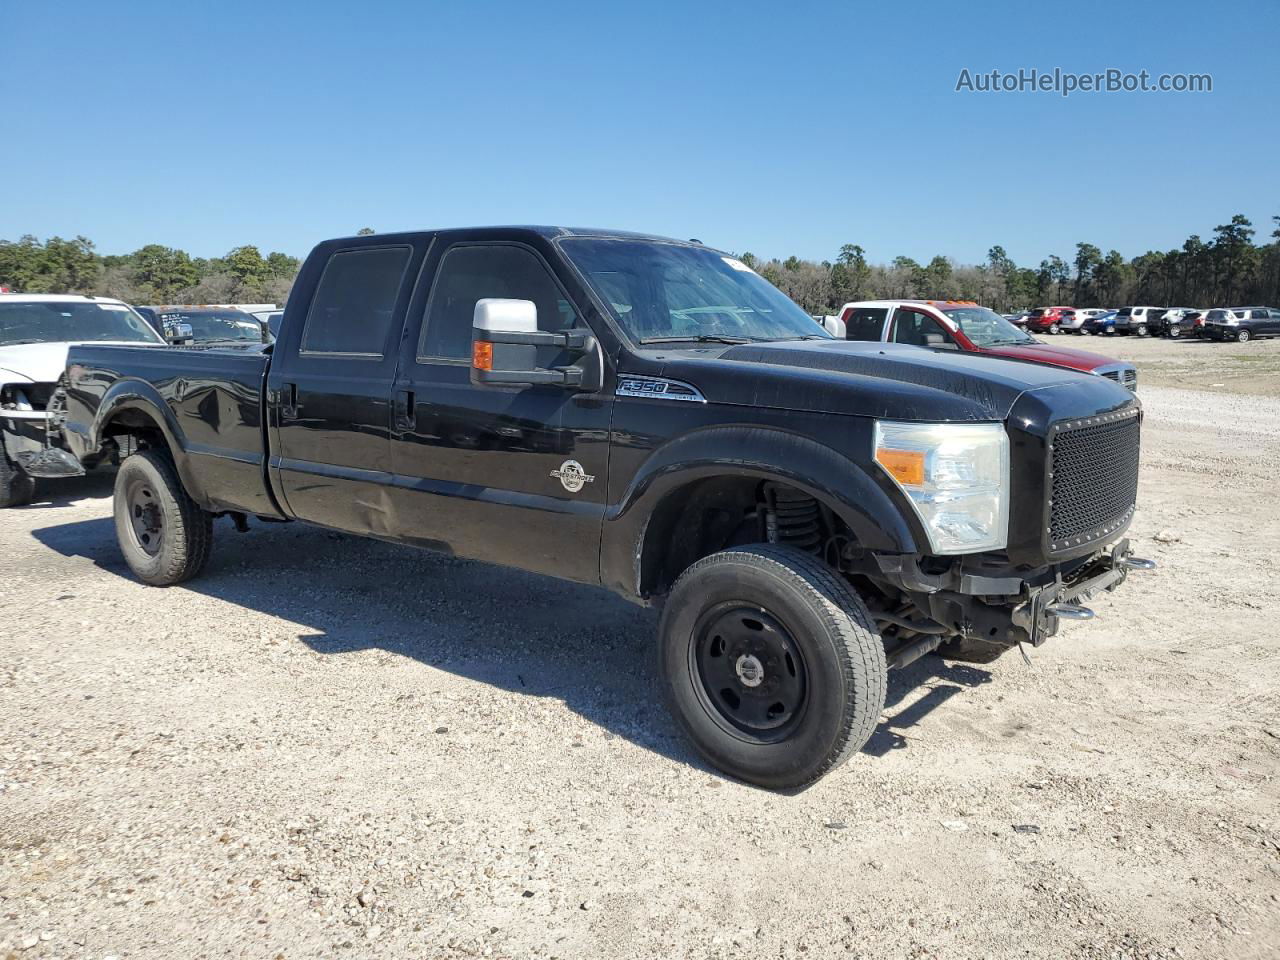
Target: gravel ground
{"x":333,"y":747}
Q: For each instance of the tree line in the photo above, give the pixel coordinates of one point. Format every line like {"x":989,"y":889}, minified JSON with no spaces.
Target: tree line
{"x":1228,"y":269}
{"x":154,"y":274}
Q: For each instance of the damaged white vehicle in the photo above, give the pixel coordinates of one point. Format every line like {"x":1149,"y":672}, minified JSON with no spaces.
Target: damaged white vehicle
{"x":35,"y":332}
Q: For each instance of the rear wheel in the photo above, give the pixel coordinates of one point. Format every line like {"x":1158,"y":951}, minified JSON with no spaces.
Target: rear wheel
{"x":1243,"y":336}
{"x":16,"y":487}
{"x":164,"y":535}
{"x":771,"y":664}
{"x":1054,"y":329}
{"x":1141,"y":330}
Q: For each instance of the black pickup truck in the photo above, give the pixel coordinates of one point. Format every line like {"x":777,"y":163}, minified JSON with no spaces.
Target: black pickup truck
{"x":653,"y":416}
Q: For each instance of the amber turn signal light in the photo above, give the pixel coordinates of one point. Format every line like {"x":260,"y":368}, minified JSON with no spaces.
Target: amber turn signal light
{"x":905,"y":466}
{"x":482,"y":354}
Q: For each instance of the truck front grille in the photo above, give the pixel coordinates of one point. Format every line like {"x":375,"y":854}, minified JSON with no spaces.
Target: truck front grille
{"x":1093,"y":477}
{"x":1127,"y":377}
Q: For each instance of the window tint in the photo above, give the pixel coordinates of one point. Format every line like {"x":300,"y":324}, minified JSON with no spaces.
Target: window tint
{"x":468,"y":274}
{"x":355,"y":301}
{"x":866,"y":323}
{"x":914,"y":328}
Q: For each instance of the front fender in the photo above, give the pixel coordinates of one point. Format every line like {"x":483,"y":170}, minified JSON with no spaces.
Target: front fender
{"x":764,"y":453}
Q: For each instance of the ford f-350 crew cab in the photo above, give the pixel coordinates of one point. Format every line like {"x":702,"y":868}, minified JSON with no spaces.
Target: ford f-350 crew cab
{"x":654,"y":416}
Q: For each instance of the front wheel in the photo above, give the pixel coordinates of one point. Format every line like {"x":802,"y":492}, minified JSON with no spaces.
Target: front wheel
{"x":771,"y":664}
{"x":1054,"y":329}
{"x":16,"y":486}
{"x":164,"y":535}
{"x":1243,"y":336}
{"x":1175,"y":332}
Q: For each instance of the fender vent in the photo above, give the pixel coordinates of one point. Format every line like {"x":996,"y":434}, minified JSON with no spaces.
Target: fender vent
{"x":793,"y":518}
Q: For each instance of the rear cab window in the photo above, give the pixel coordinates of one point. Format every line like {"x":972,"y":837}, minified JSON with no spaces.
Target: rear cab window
{"x":354,"y":304}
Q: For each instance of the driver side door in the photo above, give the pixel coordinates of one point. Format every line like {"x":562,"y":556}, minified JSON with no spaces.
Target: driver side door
{"x":507,"y":474}
{"x":917,"y":328}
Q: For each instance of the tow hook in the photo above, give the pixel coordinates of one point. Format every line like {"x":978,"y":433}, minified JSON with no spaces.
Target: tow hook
{"x":1137,"y":563}
{"x":1070,"y":611}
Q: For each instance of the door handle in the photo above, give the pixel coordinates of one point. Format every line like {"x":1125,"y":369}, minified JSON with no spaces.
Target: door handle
{"x":405,"y":410}
{"x":289,"y":401}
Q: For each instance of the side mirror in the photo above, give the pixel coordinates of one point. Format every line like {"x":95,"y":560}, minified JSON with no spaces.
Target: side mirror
{"x":178,"y":332}
{"x":266,"y":331}
{"x":504,"y":348}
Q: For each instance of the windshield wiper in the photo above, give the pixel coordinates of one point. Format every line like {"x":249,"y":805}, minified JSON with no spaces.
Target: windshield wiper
{"x":18,"y":343}
{"x":700,"y":338}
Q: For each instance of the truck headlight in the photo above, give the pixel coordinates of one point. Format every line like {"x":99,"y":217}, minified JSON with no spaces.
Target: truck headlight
{"x":957,"y":478}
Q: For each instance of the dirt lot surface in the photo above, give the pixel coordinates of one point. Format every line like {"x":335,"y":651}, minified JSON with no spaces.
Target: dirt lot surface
{"x":330,"y":747}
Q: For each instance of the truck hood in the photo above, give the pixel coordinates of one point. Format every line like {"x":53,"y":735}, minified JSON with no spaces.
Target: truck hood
{"x":44,"y":362}
{"x":1046,"y":353}
{"x":883,"y":380}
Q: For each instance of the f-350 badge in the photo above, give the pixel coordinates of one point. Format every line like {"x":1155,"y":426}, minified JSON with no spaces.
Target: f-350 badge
{"x":572,"y":477}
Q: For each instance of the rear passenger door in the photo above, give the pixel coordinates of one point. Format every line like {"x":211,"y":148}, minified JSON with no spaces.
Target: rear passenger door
{"x":329,"y":388}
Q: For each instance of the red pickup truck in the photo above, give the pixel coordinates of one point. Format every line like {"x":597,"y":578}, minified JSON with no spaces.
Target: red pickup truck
{"x":964,"y":325}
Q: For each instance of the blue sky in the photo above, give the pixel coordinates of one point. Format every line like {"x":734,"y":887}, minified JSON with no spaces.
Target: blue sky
{"x":779,"y":128}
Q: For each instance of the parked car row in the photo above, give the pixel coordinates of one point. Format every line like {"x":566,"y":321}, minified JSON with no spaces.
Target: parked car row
{"x":967,"y":326}
{"x":651,"y":415}
{"x":1235,"y":323}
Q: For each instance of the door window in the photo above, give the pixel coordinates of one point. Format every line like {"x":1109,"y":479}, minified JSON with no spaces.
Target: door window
{"x":913,"y":327}
{"x":471,"y":273}
{"x":355,"y":302}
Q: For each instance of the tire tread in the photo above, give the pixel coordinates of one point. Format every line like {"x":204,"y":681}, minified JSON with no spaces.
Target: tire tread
{"x":849,"y":619}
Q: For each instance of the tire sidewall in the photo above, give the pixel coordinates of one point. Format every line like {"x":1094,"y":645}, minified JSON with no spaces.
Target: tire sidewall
{"x":16,"y":486}
{"x":1243,"y":336}
{"x":158,"y":569}
{"x":822,"y":723}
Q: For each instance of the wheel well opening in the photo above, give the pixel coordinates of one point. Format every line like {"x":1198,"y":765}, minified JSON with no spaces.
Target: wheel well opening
{"x":713,"y":514}
{"x":131,"y":430}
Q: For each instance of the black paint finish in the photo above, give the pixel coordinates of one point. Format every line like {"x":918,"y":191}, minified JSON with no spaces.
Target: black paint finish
{"x":553,"y":479}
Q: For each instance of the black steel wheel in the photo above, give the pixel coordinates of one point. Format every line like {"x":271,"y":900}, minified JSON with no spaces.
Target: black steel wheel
{"x":751,"y":673}
{"x":771,"y":664}
{"x":164,"y":535}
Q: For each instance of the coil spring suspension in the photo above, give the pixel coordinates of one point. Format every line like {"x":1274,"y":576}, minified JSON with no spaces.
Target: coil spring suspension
{"x":793,"y":518}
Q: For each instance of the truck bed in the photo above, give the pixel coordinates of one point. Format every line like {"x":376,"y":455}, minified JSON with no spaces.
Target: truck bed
{"x":211,"y":399}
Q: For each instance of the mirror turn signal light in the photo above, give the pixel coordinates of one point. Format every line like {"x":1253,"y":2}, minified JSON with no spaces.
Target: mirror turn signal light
{"x":905,"y":466}
{"x":482,"y":354}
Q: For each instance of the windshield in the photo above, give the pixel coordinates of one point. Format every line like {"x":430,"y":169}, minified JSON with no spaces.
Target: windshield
{"x":985,"y":327}
{"x":52,"y":321}
{"x":217,"y":324}
{"x":664,"y":292}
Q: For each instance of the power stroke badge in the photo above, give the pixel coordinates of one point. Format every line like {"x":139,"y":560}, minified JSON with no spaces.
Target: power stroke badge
{"x":572,"y":477}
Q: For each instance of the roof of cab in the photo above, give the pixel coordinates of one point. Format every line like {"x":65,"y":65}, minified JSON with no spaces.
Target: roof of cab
{"x":542,"y":230}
